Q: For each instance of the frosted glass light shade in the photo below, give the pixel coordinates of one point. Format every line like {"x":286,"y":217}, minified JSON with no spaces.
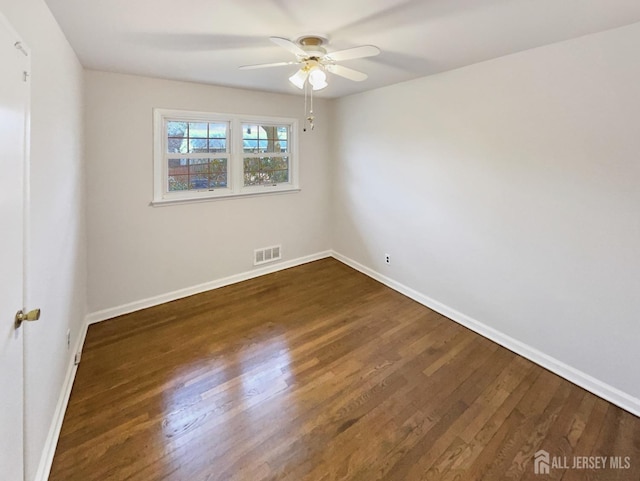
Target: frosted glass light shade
{"x":318,"y":79}
{"x":299,"y":78}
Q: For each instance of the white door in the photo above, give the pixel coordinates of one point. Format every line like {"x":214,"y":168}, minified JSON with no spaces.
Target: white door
{"x":13,"y":115}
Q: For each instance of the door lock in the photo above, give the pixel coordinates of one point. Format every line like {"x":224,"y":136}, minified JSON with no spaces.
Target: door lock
{"x":33,"y":315}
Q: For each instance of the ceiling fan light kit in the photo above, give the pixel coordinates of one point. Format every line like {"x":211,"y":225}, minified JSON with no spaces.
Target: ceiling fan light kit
{"x":318,"y":79}
{"x":313,"y":72}
{"x":315,"y":62}
{"x":299,"y":78}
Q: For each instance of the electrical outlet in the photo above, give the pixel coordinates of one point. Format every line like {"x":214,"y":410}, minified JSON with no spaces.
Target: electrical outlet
{"x":387,"y":259}
{"x":68,"y":339}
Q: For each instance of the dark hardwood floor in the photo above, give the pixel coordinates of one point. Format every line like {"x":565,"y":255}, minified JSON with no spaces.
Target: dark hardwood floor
{"x":319,"y":373}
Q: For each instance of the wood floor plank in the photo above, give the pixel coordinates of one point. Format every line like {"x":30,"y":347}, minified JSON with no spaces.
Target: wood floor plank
{"x":319,"y":373}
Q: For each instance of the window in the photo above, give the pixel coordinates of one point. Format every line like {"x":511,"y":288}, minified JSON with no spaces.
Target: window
{"x":202,"y":155}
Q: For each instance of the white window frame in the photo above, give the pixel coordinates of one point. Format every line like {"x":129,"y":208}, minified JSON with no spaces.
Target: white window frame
{"x":235,"y":157}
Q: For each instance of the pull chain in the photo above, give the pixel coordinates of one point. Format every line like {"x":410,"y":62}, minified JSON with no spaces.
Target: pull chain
{"x":310,"y":117}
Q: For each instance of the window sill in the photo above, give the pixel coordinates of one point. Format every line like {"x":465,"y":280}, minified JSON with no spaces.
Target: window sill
{"x":194,"y":200}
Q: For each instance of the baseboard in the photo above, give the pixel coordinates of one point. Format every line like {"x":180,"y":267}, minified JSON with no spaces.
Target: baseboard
{"x":207,"y":286}
{"x":585,"y":381}
{"x":46,"y":458}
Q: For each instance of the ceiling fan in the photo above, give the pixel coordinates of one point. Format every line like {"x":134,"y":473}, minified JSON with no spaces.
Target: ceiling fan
{"x":315,"y":61}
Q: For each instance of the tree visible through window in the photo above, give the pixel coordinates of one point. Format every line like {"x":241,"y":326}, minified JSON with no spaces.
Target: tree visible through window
{"x":272,"y":140}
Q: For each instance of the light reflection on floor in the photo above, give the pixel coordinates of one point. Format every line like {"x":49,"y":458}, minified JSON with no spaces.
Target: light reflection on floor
{"x":217,"y":398}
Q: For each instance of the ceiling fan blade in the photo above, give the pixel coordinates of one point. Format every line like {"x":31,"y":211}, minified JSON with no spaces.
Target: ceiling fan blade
{"x":350,"y":53}
{"x":288,"y":45}
{"x":346,"y":72}
{"x":298,"y":79}
{"x":266,"y":65}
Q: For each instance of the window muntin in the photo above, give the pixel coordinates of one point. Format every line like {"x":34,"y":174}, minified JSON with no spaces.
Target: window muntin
{"x":204,"y":155}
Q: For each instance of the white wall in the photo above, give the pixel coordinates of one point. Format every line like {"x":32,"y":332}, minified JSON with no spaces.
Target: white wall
{"x":509,"y":191}
{"x":57,"y":265}
{"x":137,"y":251}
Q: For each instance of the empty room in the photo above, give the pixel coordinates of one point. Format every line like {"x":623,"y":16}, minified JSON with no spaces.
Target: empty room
{"x":284,"y":240}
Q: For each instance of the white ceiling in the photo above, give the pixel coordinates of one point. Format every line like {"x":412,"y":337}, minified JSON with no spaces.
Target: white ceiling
{"x":207,"y":40}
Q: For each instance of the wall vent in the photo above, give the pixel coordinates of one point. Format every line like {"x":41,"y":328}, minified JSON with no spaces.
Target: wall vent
{"x":267,"y":254}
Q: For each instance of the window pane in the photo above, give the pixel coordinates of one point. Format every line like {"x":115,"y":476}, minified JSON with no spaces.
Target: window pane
{"x":198,"y":130}
{"x":198,"y":169}
{"x":197,"y":174}
{"x":283,"y":132}
{"x":178,"y":182}
{"x":218,"y":145}
{"x":280,"y":176}
{"x":176,"y":129}
{"x":198,"y":145}
{"x":173,"y":163}
{"x":251,"y":164}
{"x":199,"y":182}
{"x":250,"y":145}
{"x":177,"y":145}
{"x":249,"y":131}
{"x":217,"y":131}
{"x":265,"y":138}
{"x":266,"y":170}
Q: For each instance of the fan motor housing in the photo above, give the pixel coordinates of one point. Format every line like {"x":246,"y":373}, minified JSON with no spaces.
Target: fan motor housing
{"x":312,"y":44}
